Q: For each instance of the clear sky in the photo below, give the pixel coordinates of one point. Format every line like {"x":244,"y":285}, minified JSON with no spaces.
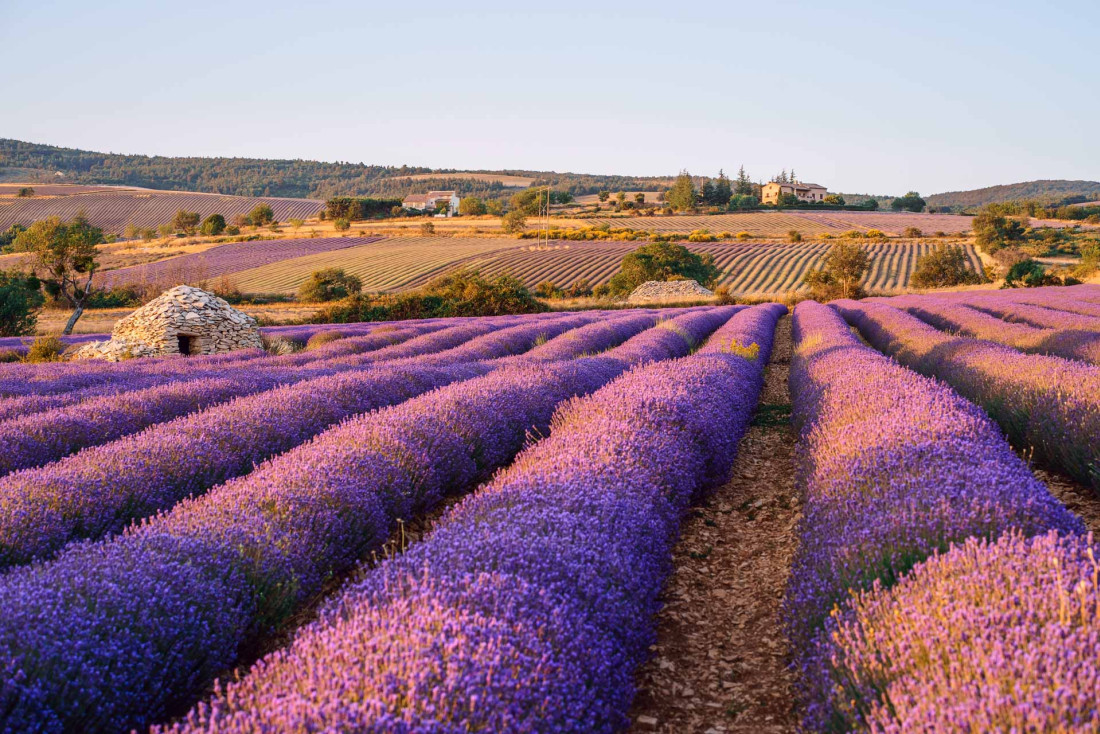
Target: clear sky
{"x":876,"y":97}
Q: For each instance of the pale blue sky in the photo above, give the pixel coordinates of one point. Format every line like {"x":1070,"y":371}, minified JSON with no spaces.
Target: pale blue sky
{"x":860,"y":96}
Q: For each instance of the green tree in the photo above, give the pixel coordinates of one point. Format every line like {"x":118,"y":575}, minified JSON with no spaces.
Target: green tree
{"x":528,"y":201}
{"x":946,"y":265}
{"x":871,"y":204}
{"x":7,"y":238}
{"x":20,"y":299}
{"x":834,"y":199}
{"x":910,"y":202}
{"x":639,"y":198}
{"x":993,"y":230}
{"x":261,"y":215}
{"x":514,"y":222}
{"x":1029,"y":274}
{"x":64,"y":259}
{"x":681,"y":197}
{"x":185,"y":221}
{"x":743,"y":187}
{"x":546,"y":289}
{"x":330,"y":284}
{"x":603,"y":196}
{"x":663,"y":261}
{"x":26,"y":192}
{"x":707,"y":193}
{"x":471,"y":206}
{"x":213,"y":225}
{"x":743,"y":201}
{"x":841,"y":273}
{"x":723,"y":190}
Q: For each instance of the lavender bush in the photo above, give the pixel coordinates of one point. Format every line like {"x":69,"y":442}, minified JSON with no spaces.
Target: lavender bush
{"x":894,"y":467}
{"x":274,"y":536}
{"x":1046,"y":403}
{"x":532,"y":603}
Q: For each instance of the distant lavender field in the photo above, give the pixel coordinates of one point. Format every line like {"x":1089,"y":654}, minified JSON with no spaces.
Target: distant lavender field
{"x":225,"y":259}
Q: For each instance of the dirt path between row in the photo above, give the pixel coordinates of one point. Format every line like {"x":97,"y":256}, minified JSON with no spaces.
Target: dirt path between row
{"x":719,"y":664}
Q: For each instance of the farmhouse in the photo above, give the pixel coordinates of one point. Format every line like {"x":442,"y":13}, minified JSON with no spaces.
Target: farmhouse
{"x":771,"y":192}
{"x":431,"y":200}
{"x":183,"y":320}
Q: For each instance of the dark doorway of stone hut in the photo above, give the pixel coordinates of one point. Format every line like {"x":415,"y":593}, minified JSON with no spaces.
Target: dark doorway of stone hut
{"x":185,"y":343}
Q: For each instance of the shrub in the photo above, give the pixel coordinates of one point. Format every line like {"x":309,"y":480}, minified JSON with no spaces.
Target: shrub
{"x":120,"y":296}
{"x":946,"y":265}
{"x":330,"y":284}
{"x":579,"y":288}
{"x":993,"y":230}
{"x":875,"y":234}
{"x":427,"y":229}
{"x":10,"y":355}
{"x":460,"y":293}
{"x":840,"y":277}
{"x":724,"y":295}
{"x":261,"y":215}
{"x":341,"y":225}
{"x":471,"y":206}
{"x":1029,"y":274}
{"x":701,"y":235}
{"x":794,"y":236}
{"x":913,"y":232}
{"x":233,"y":229}
{"x":185,"y":221}
{"x":547,"y":289}
{"x":278,"y":346}
{"x":514,"y":222}
{"x":213,"y":225}
{"x":744,"y":236}
{"x":45,"y":349}
{"x":322,"y":338}
{"x":20,"y":299}
{"x":662,"y":261}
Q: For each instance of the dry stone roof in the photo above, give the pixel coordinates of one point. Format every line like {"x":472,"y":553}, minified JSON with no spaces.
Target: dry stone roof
{"x":181,"y":320}
{"x":668,"y":290}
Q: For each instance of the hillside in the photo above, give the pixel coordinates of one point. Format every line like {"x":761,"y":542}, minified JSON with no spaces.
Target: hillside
{"x":282,"y":178}
{"x":1047,"y":191}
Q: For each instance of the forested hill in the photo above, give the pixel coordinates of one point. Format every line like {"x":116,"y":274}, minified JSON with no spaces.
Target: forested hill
{"x":261,"y":177}
{"x":1047,"y":191}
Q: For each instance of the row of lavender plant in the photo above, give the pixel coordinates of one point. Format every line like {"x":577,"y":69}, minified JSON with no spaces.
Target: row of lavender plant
{"x":1048,"y":404}
{"x":60,"y":379}
{"x":118,"y":633}
{"x":532,"y":603}
{"x":1083,"y":345}
{"x":1071,"y":301}
{"x":68,"y":388}
{"x":39,"y":438}
{"x":102,"y":489}
{"x":893,"y":467}
{"x":992,"y":636}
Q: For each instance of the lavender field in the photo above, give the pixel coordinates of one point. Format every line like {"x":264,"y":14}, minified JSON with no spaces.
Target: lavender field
{"x":476,"y":524}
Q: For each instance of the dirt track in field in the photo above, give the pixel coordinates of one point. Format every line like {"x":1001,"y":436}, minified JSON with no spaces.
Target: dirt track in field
{"x":719,"y":664}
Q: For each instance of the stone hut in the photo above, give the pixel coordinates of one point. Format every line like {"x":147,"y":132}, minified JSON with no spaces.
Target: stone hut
{"x":183,"y":320}
{"x":656,"y":291}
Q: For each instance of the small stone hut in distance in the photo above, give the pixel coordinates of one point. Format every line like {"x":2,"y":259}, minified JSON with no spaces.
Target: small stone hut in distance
{"x":183,"y":320}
